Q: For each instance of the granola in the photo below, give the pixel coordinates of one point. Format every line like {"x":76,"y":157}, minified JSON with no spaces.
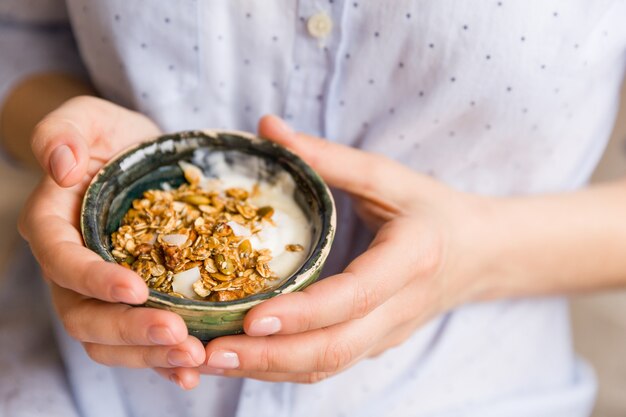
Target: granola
{"x":186,"y":236}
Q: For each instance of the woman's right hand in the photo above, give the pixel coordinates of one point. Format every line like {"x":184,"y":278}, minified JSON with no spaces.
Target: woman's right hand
{"x":91,"y":296}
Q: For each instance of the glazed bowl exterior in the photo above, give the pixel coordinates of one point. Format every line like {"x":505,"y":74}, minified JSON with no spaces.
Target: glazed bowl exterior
{"x":151,"y":164}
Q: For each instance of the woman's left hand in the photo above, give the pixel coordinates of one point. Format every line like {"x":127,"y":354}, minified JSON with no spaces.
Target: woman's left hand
{"x":423,"y":261}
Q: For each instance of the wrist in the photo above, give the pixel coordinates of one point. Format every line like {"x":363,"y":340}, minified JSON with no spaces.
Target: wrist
{"x":499,"y":255}
{"x":475,"y":260}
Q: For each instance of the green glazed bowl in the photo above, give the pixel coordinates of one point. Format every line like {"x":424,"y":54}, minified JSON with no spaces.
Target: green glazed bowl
{"x":150,"y":165}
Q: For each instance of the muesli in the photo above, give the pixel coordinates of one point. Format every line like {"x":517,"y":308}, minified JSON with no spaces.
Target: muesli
{"x":199,"y":241}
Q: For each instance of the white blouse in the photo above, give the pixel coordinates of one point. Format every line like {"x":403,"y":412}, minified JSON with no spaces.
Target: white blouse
{"x":494,"y":97}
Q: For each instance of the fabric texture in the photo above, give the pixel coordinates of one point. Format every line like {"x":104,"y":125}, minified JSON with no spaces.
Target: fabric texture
{"x":499,"y":98}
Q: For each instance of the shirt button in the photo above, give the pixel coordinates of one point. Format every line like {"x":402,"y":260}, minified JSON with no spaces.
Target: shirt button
{"x":319,"y":25}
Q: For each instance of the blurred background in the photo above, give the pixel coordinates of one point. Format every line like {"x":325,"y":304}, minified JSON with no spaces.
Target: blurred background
{"x":599,"y":320}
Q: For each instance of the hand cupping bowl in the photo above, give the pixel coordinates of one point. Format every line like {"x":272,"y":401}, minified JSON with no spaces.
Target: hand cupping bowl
{"x":151,"y":165}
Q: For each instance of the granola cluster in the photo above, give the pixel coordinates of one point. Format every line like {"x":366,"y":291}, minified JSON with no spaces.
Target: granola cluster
{"x":187,"y":230}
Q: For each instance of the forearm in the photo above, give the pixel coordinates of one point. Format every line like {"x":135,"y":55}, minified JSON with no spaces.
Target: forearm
{"x":28,"y":103}
{"x":553,"y":244}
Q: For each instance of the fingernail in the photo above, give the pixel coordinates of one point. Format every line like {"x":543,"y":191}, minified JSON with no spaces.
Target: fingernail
{"x":222,"y":359}
{"x":161,"y":335}
{"x":264,"y":326}
{"x":176,"y":379}
{"x":124,"y":295}
{"x":62,"y":161}
{"x":176,"y":357}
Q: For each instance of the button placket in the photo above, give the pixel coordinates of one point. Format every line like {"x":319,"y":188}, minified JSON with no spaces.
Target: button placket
{"x":314,"y":43}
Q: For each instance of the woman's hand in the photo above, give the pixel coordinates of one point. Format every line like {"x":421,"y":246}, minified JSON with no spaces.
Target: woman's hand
{"x":410,"y":273}
{"x":71,"y":144}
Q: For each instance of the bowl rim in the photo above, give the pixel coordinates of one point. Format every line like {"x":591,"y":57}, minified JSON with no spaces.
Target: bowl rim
{"x":311,"y":265}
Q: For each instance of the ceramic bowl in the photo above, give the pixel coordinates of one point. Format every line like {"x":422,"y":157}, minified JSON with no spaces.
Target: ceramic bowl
{"x":150,"y":165}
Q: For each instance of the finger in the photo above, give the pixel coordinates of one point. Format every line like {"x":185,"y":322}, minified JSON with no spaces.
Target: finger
{"x":185,"y":378}
{"x":76,"y":268}
{"x":94,"y":321}
{"x":323,"y":350}
{"x":327,"y":350}
{"x":392,"y":262}
{"x":57,"y":245}
{"x":398,"y":335}
{"x":299,"y":378}
{"x":60,"y":146}
{"x":361,"y":173}
{"x":190,"y":353}
{"x":62,"y":141}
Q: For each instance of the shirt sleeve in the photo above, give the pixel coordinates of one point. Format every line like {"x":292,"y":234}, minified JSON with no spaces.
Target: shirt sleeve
{"x":35,"y":37}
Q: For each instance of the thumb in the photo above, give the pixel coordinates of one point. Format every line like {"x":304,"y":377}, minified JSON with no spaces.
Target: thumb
{"x":61,"y":149}
{"x":85,"y":129}
{"x":360,"y":173}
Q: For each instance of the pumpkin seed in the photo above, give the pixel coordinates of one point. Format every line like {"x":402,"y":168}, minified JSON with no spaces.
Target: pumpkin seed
{"x":237,"y":193}
{"x":196,"y":199}
{"x":265,"y":212}
{"x":294,"y":248}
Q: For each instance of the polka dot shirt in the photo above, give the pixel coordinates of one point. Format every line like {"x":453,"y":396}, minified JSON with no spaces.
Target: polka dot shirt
{"x":493,"y":97}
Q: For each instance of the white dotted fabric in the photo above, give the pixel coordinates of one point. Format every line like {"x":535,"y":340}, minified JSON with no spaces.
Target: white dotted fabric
{"x":495,"y":97}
